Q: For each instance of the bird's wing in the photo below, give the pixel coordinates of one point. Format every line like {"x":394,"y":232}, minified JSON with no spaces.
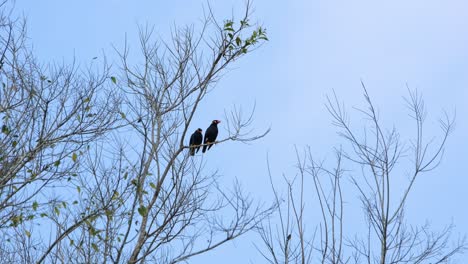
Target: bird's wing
{"x":198,"y":139}
{"x":192,"y":139}
{"x":209,"y":134}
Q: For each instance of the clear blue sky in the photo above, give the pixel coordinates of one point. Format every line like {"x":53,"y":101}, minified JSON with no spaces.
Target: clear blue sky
{"x":314,"y":47}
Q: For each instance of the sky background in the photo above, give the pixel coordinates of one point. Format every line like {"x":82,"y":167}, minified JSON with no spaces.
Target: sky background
{"x":315,"y":47}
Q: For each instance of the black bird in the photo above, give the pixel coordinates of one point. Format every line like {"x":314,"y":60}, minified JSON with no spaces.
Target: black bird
{"x":195,"y":140}
{"x":211,"y":134}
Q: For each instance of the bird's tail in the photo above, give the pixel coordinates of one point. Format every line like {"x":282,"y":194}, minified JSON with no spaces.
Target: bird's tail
{"x":192,"y":151}
{"x":210,"y":146}
{"x":204,"y":148}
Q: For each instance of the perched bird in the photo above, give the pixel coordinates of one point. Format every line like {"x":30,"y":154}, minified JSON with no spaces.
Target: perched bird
{"x":195,"y":140}
{"x":211,"y":134}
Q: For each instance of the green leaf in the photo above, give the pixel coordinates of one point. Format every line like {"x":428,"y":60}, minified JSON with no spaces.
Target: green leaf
{"x":35,"y":205}
{"x":238,"y":41}
{"x":115,"y":195}
{"x":78,"y":189}
{"x":153,"y":185}
{"x":228,"y":25}
{"x":16,"y":220}
{"x":93,"y":231}
{"x":122,"y":114}
{"x":254,"y":34}
{"x":95,"y":247}
{"x":113,"y":79}
{"x":142,"y":210}
{"x":14,"y":143}
{"x":74,"y":157}
{"x":28,"y":234}
{"x":57,"y":211}
{"x":57,"y":163}
{"x":44,"y":215}
{"x":5,"y":130}
{"x":245,"y":23}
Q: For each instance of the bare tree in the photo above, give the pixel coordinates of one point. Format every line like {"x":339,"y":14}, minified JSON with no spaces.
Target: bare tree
{"x":132,"y":193}
{"x":49,"y":115}
{"x":382,"y":159}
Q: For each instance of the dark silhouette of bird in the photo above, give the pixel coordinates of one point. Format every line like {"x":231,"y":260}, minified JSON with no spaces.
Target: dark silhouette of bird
{"x":195,"y":141}
{"x":210,"y":134}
